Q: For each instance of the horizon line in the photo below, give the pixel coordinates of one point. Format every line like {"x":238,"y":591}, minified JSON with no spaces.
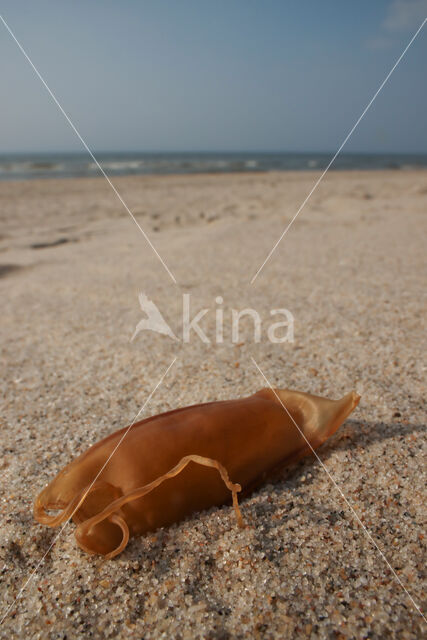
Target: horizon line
{"x":211,"y":151}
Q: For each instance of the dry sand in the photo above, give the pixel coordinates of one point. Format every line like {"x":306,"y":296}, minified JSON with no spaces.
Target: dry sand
{"x":351,"y":270}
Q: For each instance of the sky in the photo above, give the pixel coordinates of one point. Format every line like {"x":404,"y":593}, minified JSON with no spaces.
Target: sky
{"x":213,"y":75}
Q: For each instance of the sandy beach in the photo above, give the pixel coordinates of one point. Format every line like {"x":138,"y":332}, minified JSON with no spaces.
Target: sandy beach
{"x":351,"y":270}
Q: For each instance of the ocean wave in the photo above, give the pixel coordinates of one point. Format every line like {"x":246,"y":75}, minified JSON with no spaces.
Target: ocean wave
{"x":25,"y":167}
{"x":117,"y":165}
{"x":17,"y":167}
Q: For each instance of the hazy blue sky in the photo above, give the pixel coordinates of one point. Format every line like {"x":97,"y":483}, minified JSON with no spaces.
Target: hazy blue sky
{"x":213,"y":74}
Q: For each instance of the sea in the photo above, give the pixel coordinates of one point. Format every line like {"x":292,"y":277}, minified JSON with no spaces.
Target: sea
{"x":70,"y":165}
